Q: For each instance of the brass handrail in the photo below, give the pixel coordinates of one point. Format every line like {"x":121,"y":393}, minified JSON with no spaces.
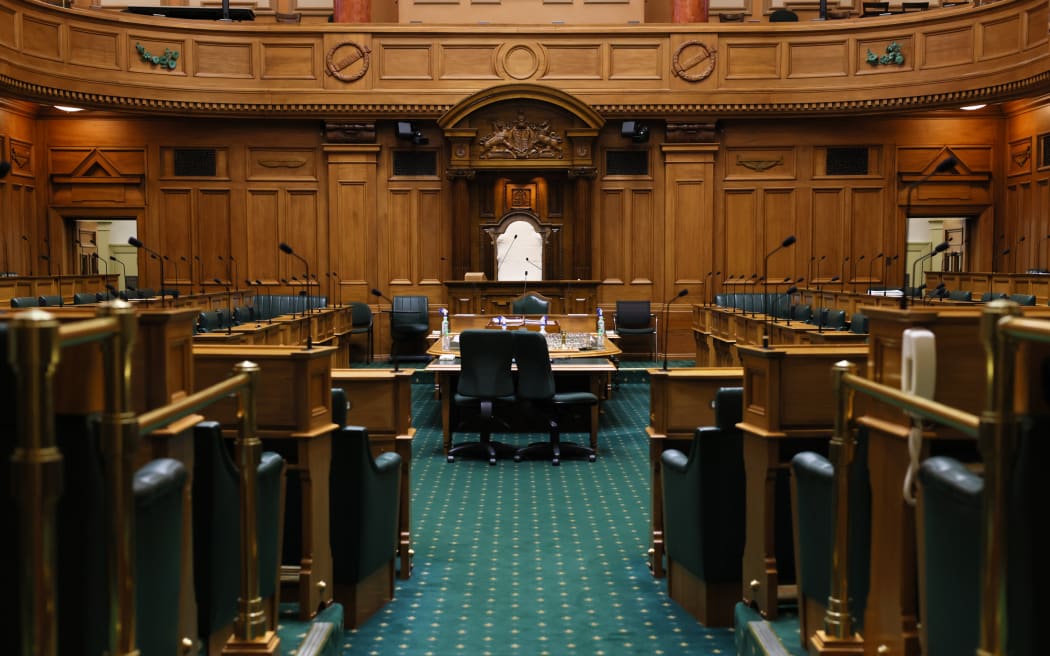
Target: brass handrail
{"x":35,"y":347}
{"x":965,"y":422}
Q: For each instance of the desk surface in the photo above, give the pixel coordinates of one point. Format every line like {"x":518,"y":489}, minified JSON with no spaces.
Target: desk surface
{"x":562,"y":346}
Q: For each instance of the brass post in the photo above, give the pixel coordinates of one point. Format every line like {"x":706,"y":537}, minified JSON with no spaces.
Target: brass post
{"x":251,"y":616}
{"x":119,"y":441}
{"x":838,"y":637}
{"x":996,"y":442}
{"x":36,"y":473}
{"x":840,"y":451}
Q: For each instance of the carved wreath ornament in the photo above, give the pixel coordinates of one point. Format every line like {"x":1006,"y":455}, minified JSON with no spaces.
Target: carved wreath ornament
{"x":347,"y":61}
{"x":693,"y":61}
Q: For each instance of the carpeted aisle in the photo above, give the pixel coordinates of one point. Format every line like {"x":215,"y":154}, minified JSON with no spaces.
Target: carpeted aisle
{"x":526,"y":558}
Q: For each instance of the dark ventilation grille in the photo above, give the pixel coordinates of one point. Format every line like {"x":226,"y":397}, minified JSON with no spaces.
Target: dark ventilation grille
{"x":195,"y":162}
{"x":627,"y":162}
{"x":847,"y":161}
{"x":415,"y":163}
{"x":1044,"y":150}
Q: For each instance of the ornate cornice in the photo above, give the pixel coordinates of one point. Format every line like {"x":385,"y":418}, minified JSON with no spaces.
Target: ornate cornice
{"x":1012,"y":90}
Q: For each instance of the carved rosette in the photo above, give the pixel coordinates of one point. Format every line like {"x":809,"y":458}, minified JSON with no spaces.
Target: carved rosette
{"x":521,"y":139}
{"x":347,"y":61}
{"x":693,"y":61}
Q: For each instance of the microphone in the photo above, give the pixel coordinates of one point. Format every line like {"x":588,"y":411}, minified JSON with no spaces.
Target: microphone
{"x":103,"y":262}
{"x":525,"y":286}
{"x":229,"y":305}
{"x":948,"y":164}
{"x":123,"y":269}
{"x":667,"y":322}
{"x":174,"y":292}
{"x":285,"y":248}
{"x":499,"y":261}
{"x":379,"y":294}
{"x":858,"y":261}
{"x":134,"y":241}
{"x":1014,"y":262}
{"x":941,"y":247}
{"x":788,"y":241}
{"x":190,"y":267}
{"x":871,"y":267}
{"x":528,"y":261}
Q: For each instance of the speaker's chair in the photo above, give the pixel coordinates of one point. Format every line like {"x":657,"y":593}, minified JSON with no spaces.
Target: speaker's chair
{"x":531,"y":303}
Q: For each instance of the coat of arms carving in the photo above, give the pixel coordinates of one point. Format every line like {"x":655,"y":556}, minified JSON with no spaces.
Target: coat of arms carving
{"x":521,"y":139}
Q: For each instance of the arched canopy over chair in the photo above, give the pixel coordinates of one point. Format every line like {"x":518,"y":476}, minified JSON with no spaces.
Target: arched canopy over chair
{"x":409,"y":323}
{"x":361,"y":323}
{"x":536,"y":389}
{"x":633,"y":318}
{"x":531,"y":303}
{"x":485,"y":382}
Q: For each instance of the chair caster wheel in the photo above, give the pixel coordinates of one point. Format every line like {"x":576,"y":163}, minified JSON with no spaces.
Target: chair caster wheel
{"x":555,"y":462}
{"x":451,"y":458}
{"x":592,"y":458}
{"x":517,"y":458}
{"x":492,"y":461}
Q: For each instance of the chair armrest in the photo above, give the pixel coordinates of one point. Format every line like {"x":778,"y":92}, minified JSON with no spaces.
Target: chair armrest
{"x":675,"y":461}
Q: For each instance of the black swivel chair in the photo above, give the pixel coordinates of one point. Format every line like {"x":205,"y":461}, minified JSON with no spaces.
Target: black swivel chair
{"x":537,"y":391}
{"x":634,"y":318}
{"x":530,"y":303}
{"x":361,"y":323}
{"x":409,"y":323}
{"x":485,"y":380}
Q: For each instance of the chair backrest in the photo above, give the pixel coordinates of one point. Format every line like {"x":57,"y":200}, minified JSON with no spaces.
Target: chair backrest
{"x":242,"y":315}
{"x":410,"y":309}
{"x":209,"y":321}
{"x":801,"y":312}
{"x":81,"y":298}
{"x":339,"y":406}
{"x":25,"y":301}
{"x":991,"y":296}
{"x":486,"y":357}
{"x":530,"y":303}
{"x":914,"y":6}
{"x":146,"y":292}
{"x":1023,"y":299}
{"x":159,"y":490}
{"x":531,"y":354}
{"x":783,"y":16}
{"x":633,"y":314}
{"x":952,"y":537}
{"x":51,"y":300}
{"x":836,"y":319}
{"x":874,"y":8}
{"x":858,"y":323}
{"x":360,"y":315}
{"x":960,"y":295}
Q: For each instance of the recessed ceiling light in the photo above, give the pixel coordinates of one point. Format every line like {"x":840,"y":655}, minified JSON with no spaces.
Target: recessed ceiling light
{"x":67,"y":108}
{"x":970,"y":108}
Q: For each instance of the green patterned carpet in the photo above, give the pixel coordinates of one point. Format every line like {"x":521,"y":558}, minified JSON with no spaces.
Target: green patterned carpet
{"x":526,"y":558}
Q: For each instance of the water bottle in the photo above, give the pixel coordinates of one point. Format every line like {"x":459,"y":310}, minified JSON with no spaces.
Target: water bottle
{"x":601,"y":327}
{"x":543,"y":324}
{"x":502,"y":322}
{"x":444,"y":330}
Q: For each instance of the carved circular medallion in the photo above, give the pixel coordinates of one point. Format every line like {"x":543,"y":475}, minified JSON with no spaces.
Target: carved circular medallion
{"x":347,"y":61}
{"x":693,"y":61}
{"x":520,"y":62}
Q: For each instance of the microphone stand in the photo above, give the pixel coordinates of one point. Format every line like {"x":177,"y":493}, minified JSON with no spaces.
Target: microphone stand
{"x":871,"y":268}
{"x":941,"y":247}
{"x":134,"y":241}
{"x":946,"y":165}
{"x":229,"y":306}
{"x":201,"y":267}
{"x":288,"y":249}
{"x":788,"y":241}
{"x":858,"y":261}
{"x":379,"y":294}
{"x":820,"y":308}
{"x":667,"y":322}
{"x":123,"y":269}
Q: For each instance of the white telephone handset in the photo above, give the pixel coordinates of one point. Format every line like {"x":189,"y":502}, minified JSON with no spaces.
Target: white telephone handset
{"x":918,"y":377}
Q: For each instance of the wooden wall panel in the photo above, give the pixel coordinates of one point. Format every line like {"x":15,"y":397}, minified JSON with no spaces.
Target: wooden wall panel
{"x":641,"y":254}
{"x":289,"y":61}
{"x":225,"y":60}
{"x":213,"y":218}
{"x":779,"y":221}
{"x":95,"y":48}
{"x":469,"y":62}
{"x":829,"y":226}
{"x":430,"y":223}
{"x":869,"y":234}
{"x":752,"y":61}
{"x":688,"y":181}
{"x":826,"y":59}
{"x":298,"y":227}
{"x":395,"y":238}
{"x":1000,"y":37}
{"x":352,"y":219}
{"x":263,"y":236}
{"x":611,"y":232}
{"x":175,"y":227}
{"x":741,"y":234}
{"x":637,"y":61}
{"x":573,"y":62}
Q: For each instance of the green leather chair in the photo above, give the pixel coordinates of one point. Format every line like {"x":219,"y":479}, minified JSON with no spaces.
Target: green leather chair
{"x":51,"y":300}
{"x":216,"y":533}
{"x":159,"y":487}
{"x":542,"y":401}
{"x":812,"y":480}
{"x":635,"y":318}
{"x":409,"y":325}
{"x":485,"y":384}
{"x":858,"y":323}
{"x":960,"y":295}
{"x":950,"y":525}
{"x":530,"y":303}
{"x":364,"y":500}
{"x":25,"y":301}
{"x":361,"y":323}
{"x":703,"y":498}
{"x":82,"y":298}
